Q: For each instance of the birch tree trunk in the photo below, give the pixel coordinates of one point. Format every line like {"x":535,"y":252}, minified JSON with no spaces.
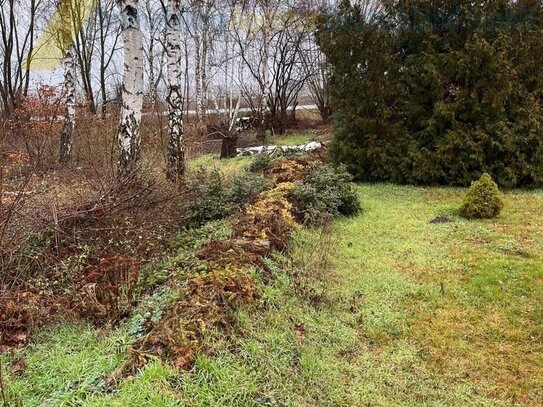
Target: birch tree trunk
{"x":176,"y":142}
{"x":129,"y":139}
{"x":265,"y":73}
{"x":199,"y":79}
{"x":66,"y":137}
{"x":65,"y":40}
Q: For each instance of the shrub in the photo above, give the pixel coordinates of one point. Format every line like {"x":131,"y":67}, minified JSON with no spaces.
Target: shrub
{"x":483,"y":199}
{"x":214,"y":198}
{"x":245,"y":187}
{"x":208,"y":197}
{"x":445,"y":102}
{"x":326,"y":192}
{"x":260,"y":163}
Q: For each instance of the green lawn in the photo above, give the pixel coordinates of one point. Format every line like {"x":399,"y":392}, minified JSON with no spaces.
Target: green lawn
{"x":294,"y":139}
{"x":227,"y":167}
{"x":386,"y":309}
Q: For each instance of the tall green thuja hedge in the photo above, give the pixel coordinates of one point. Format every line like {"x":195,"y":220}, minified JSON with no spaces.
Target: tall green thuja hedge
{"x":361,"y":90}
{"x":438,"y":92}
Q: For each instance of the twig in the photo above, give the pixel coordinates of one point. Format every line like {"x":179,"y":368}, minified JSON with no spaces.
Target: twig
{"x":2,"y":390}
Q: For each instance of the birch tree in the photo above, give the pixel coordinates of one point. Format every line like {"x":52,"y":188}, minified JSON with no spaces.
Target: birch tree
{"x":176,"y":142}
{"x":129,"y":139}
{"x":201,"y":19}
{"x":67,"y":135}
{"x":66,"y":11}
{"x":265,"y":66}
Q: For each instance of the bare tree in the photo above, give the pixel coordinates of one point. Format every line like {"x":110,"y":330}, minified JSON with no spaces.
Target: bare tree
{"x":316,"y":70}
{"x":289,"y":77}
{"x":108,"y":39}
{"x":271,"y":43}
{"x":17,"y":35}
{"x":129,"y":132}
{"x":154,"y":46}
{"x":84,"y":48}
{"x":199,"y":27}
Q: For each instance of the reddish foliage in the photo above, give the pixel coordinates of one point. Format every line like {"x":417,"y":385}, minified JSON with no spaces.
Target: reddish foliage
{"x":106,"y":291}
{"x":290,"y":170}
{"x":207,"y":302}
{"x":36,"y":124}
{"x":20,"y":311}
{"x":235,"y":251}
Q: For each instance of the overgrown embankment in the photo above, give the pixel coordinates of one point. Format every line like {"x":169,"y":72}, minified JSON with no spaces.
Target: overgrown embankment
{"x":166,"y":308}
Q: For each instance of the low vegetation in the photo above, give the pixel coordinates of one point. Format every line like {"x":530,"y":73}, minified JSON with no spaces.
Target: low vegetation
{"x":326,"y":193}
{"x":386,"y":308}
{"x":483,"y":199}
{"x":139,"y":269}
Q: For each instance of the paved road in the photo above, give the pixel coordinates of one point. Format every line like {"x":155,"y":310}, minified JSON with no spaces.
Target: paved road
{"x":241,"y":110}
{"x":193,"y":112}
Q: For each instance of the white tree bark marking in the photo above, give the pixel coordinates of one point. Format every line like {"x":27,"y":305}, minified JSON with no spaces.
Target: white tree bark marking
{"x":176,"y":142}
{"x":129,"y":138}
{"x":66,"y":137}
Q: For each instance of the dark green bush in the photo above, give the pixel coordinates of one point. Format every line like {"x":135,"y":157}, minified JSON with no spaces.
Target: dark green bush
{"x":260,"y":163}
{"x":244,"y":187}
{"x":326,"y":192}
{"x":212,"y":197}
{"x":483,"y":199}
{"x":208,"y":197}
{"x":437,"y":92}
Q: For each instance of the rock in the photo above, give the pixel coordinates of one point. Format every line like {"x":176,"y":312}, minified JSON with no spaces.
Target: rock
{"x":440,"y":219}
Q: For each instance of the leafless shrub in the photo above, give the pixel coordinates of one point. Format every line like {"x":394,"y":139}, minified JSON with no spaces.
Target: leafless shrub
{"x":106,"y":291}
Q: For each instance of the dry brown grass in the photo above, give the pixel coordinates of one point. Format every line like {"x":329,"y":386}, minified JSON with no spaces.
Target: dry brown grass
{"x":487,"y":347}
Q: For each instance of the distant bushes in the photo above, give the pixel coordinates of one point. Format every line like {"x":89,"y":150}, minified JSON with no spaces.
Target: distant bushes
{"x":483,"y":200}
{"x":438,"y":92}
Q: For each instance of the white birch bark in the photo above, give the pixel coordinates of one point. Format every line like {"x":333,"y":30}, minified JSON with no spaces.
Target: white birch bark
{"x":176,"y":142}
{"x":199,"y":79}
{"x":202,"y":44}
{"x":129,"y":130}
{"x":265,"y":73}
{"x":66,"y":137}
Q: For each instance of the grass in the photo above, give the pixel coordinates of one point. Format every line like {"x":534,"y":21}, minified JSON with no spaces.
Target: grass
{"x":64,"y":365}
{"x":228,"y":167}
{"x":294,"y":139}
{"x":385,"y":309}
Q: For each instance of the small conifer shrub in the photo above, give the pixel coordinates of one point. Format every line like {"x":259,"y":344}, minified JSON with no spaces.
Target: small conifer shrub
{"x":483,"y":199}
{"x":327,"y":192}
{"x":260,"y":163}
